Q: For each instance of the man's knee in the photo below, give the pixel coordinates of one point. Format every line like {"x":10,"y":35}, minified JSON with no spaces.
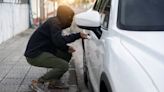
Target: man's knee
{"x":65,"y":67}
{"x":64,"y":55}
{"x":69,"y":56}
{"x":30,"y":61}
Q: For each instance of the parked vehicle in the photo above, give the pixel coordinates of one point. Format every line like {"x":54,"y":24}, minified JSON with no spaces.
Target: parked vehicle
{"x":125,"y":50}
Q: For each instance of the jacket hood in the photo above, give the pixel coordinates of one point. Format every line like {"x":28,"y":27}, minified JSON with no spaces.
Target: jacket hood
{"x":65,"y":15}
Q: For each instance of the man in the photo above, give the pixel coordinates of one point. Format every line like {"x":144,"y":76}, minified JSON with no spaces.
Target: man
{"x":48,"y":48}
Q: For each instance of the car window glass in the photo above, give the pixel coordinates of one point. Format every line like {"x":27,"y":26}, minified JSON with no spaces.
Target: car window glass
{"x":99,"y":5}
{"x":141,"y":15}
{"x":105,"y":15}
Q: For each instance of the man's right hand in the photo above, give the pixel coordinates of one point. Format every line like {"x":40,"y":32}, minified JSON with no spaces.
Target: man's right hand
{"x":84,"y":35}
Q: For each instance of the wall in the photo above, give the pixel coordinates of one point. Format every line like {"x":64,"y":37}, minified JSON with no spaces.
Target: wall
{"x":14,"y":18}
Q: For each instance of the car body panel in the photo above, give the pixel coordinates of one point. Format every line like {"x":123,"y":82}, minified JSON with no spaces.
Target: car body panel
{"x":94,"y":49}
{"x":131,"y":60}
{"x":147,"y":48}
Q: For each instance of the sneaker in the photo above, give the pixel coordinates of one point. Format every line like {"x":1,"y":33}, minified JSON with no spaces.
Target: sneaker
{"x":57,"y":85}
{"x":38,"y":86}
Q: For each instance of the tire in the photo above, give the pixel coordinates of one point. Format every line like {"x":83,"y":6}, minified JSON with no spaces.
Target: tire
{"x":103,"y":88}
{"x":105,"y":84}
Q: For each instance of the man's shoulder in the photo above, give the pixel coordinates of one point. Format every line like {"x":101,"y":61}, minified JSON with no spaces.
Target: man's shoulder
{"x":54,"y":23}
{"x":52,"y":19}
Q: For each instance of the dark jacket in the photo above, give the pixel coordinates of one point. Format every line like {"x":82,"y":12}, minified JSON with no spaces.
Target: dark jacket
{"x":48,"y":37}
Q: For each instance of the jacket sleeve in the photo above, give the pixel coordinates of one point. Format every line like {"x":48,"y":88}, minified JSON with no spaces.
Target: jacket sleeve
{"x":72,"y":37}
{"x":61,"y":41}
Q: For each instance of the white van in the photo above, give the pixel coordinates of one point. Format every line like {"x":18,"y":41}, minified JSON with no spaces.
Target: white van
{"x":125,"y":50}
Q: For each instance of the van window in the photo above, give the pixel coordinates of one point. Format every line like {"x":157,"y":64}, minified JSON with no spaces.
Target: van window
{"x":141,"y":15}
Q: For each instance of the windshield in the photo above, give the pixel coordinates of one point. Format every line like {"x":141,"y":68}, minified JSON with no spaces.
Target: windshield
{"x":141,"y":15}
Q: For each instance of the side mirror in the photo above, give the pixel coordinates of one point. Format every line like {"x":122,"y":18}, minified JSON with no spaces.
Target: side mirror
{"x":88,"y":20}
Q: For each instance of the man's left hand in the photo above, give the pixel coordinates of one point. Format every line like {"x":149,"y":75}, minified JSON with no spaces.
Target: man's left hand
{"x":71,"y":49}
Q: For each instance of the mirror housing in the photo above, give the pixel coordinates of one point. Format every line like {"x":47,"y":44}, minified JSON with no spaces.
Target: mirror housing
{"x":88,"y":20}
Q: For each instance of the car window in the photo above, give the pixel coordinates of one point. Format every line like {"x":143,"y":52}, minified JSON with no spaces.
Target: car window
{"x":99,"y":5}
{"x":141,"y":15}
{"x":105,"y":15}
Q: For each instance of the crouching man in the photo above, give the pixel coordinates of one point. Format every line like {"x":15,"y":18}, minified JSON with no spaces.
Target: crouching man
{"x":48,"y":48}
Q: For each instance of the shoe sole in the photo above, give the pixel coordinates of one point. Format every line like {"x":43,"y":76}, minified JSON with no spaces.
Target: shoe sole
{"x":58,"y":87}
{"x":36,"y":89}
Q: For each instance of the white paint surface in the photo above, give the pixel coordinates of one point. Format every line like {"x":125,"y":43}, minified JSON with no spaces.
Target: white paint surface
{"x":14,"y":18}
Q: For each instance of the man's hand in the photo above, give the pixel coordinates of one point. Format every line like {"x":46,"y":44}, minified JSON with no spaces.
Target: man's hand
{"x":83,"y":35}
{"x":71,"y":49}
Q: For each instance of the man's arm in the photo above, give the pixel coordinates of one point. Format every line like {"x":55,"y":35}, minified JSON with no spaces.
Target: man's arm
{"x":71,"y":37}
{"x":62,"y":41}
{"x":59,"y":41}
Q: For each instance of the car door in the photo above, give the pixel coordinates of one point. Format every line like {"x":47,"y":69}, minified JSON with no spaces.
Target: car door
{"x":95,"y":44}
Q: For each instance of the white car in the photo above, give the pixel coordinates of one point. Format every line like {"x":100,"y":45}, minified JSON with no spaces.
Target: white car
{"x":125,"y":50}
